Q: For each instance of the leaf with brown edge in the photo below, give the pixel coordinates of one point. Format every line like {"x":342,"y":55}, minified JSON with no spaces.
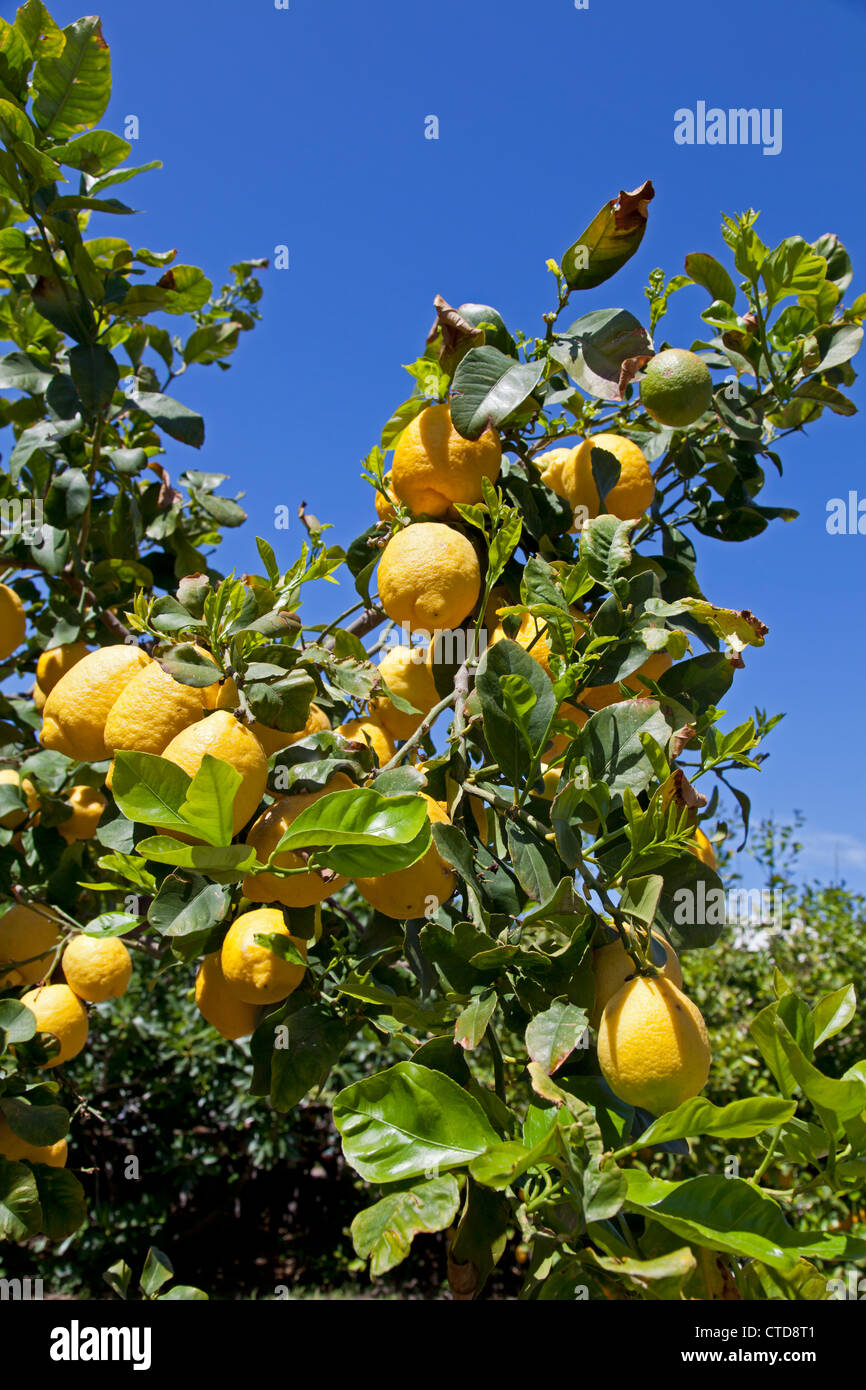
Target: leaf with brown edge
{"x":630,"y":368}
{"x":457,"y":334}
{"x":611,"y":239}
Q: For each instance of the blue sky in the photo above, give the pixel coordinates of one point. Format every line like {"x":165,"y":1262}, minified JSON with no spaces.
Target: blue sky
{"x":305,"y":127}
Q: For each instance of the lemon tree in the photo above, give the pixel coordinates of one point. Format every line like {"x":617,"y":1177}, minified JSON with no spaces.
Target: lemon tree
{"x":470,"y":819}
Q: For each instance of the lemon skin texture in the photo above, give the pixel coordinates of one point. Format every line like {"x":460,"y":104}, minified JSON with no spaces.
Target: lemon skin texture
{"x":25,"y":933}
{"x":221,"y":735}
{"x":97,"y":968}
{"x":253,"y":973}
{"x":76,"y":711}
{"x":407,"y":893}
{"x":217,"y":1004}
{"x":434,"y":466}
{"x":60,"y":1012}
{"x":299,"y":890}
{"x":429,"y":577}
{"x":652,"y":1045}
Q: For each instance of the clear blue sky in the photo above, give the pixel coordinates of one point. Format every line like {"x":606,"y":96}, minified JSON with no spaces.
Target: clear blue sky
{"x":306,"y":127}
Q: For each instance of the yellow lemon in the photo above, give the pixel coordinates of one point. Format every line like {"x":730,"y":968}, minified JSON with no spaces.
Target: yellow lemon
{"x":13,"y":1148}
{"x":612,"y":966}
{"x":26,"y":935}
{"x":254,"y":973}
{"x":415,"y":891}
{"x":217,"y":1003}
{"x":59,"y":1012}
{"x":652,"y":1045}
{"x":406,"y":672}
{"x":299,"y":890}
{"x":13,"y":622}
{"x":551,"y":464}
{"x":87,"y":805}
{"x":429,"y":577}
{"x":273,"y":740}
{"x":705,"y":850}
{"x":75,"y":713}
{"x":55,"y":662}
{"x":10,"y":776}
{"x":221,"y":735}
{"x":372,"y":732}
{"x":630,"y":496}
{"x":151,"y":710}
{"x":434,"y":466}
{"x":97,"y":968}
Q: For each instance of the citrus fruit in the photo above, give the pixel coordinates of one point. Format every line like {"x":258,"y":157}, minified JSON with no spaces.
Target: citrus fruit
{"x":676,"y":388}
{"x":13,"y":622}
{"x":429,"y":577}
{"x":11,"y":777}
{"x":406,"y":673}
{"x":254,"y":973}
{"x":417,"y":890}
{"x":551,"y":464}
{"x":87,"y":805}
{"x":273,"y":740}
{"x":14,"y":1149}
{"x":434,"y":466}
{"x":221,"y":735}
{"x":151,"y":710}
{"x":372,"y":732}
{"x":73,"y":720}
{"x":60,"y":1012}
{"x":52,"y":665}
{"x":385,"y":505}
{"x":652,"y":1045}
{"x":629,"y":497}
{"x":217,"y":1003}
{"x":25,"y":934}
{"x":298,"y":890}
{"x":612,"y":966}
{"x":705,"y":850}
{"x":97,"y":968}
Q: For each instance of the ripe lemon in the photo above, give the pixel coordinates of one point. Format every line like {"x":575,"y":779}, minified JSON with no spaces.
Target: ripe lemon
{"x":676,"y":388}
{"x":218,"y":1004}
{"x":612,"y":967}
{"x":652,"y":1045}
{"x":254,"y":973}
{"x":434,"y":466}
{"x":551,"y":464}
{"x":273,"y":740}
{"x":13,"y":622}
{"x":10,"y":776}
{"x":429,"y":577}
{"x":55,"y":662}
{"x":421,"y":888}
{"x":704,"y":850}
{"x":24,"y":934}
{"x":75,"y":713}
{"x":385,"y":505}
{"x":13,"y":1148}
{"x":221,"y":735}
{"x":97,"y":968}
{"x":87,"y":805}
{"x":406,"y":672}
{"x":372,"y":732}
{"x":59,"y":1012}
{"x":299,"y":890}
{"x":629,"y":497}
{"x":151,"y":710}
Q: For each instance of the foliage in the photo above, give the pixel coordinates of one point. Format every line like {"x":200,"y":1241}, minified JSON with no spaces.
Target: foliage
{"x":495,"y":985}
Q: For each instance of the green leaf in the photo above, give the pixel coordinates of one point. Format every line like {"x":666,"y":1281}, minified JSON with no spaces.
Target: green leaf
{"x":73,"y":87}
{"x":309,"y":1041}
{"x":604,"y":1191}
{"x":384,"y":1232}
{"x":224,"y":864}
{"x":183,"y":424}
{"x":409,"y":1121}
{"x":20,"y":1213}
{"x":552,"y":1036}
{"x":488,"y":387}
{"x":705,"y":270}
{"x":611,"y":239}
{"x":43,"y":37}
{"x":741,"y":1119}
{"x":834,"y":1012}
{"x":593,"y":349}
{"x":729,"y":1214}
{"x":112,"y":924}
{"x":356,"y":817}
{"x":605,"y":545}
{"x":793,"y":268}
{"x":472,"y":1022}
{"x":157,"y":1271}
{"x":93,"y":153}
{"x":61,"y":1197}
{"x":185,"y":908}
{"x":24,"y":373}
{"x":35,"y":1124}
{"x":17,"y":1022}
{"x":504,"y":1163}
{"x":611,"y":742}
{"x":403,"y":416}
{"x":187,"y":289}
{"x":157,"y":792}
{"x":95,"y":375}
{"x":512,"y":741}
{"x":185,"y":1293}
